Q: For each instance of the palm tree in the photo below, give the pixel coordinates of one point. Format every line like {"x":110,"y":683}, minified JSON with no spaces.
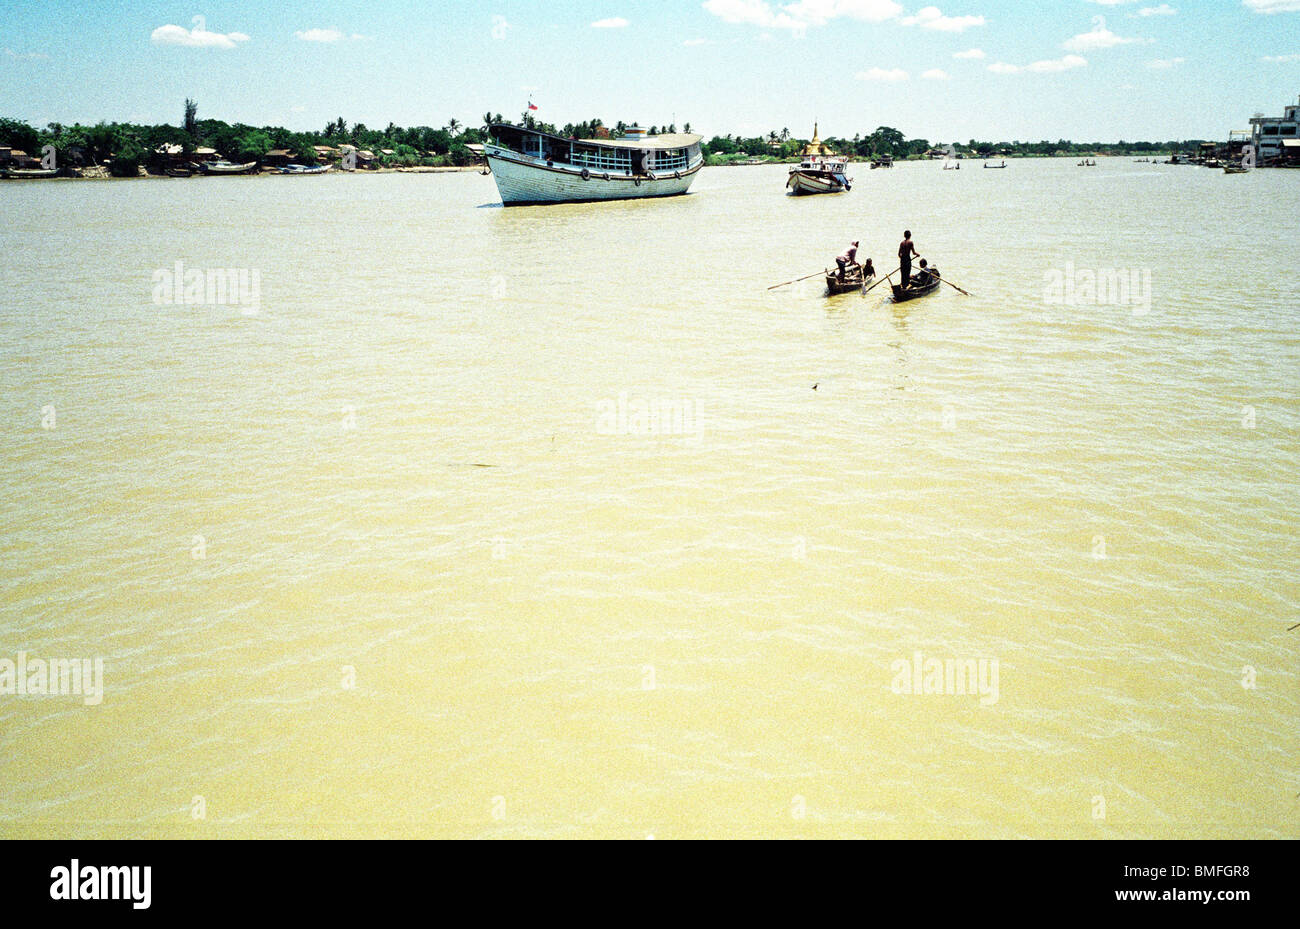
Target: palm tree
{"x":785,"y":135}
{"x":453,"y":126}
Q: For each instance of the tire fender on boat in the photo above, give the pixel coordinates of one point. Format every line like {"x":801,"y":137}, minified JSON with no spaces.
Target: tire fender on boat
{"x":636,"y":180}
{"x":586,"y":174}
{"x":650,"y":175}
{"x":677,"y":175}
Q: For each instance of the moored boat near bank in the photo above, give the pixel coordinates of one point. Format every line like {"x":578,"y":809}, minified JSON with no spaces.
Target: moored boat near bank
{"x":29,"y":174}
{"x":226,"y":167}
{"x":533,"y":167}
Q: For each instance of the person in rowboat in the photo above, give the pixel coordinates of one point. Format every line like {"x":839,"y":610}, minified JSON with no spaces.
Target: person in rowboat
{"x":849,"y":258}
{"x":925,"y":276}
{"x":905,"y":252}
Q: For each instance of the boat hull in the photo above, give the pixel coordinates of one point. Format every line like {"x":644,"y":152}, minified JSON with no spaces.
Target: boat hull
{"x":29,"y":174}
{"x":802,"y":183}
{"x":850,"y":283}
{"x":904,"y":294}
{"x":522,"y":181}
{"x":228,"y":170}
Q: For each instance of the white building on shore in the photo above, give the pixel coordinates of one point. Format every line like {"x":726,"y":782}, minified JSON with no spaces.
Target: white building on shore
{"x":1277,"y":139}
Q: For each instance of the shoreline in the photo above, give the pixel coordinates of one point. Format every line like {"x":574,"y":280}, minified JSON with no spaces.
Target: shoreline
{"x":145,"y":176}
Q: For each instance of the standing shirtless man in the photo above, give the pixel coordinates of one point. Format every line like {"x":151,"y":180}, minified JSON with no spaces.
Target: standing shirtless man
{"x":905,"y":252}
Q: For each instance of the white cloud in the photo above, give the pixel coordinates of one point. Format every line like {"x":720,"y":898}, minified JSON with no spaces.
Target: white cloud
{"x":752,"y":13}
{"x":1163,"y":9}
{"x":931,"y":17}
{"x":888,"y":75}
{"x":198,"y":37}
{"x":499,"y":27}
{"x":1273,"y":6}
{"x":614,"y":22}
{"x":1164,"y":64}
{"x":934,"y":74}
{"x":820,"y":12}
{"x":1066,"y":63}
{"x":319,"y":35}
{"x":1276,"y":59}
{"x":1099,"y":37}
{"x":976,"y":53}
{"x":797,"y":17}
{"x":1050,"y":66}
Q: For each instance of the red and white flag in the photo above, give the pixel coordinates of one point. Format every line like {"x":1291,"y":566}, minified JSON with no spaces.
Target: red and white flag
{"x":531,"y":105}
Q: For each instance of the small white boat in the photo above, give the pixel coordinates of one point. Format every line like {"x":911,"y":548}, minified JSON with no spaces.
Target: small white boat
{"x":31,"y":174}
{"x":227,"y":167}
{"x":820,"y":171}
{"x":533,"y":167}
{"x":304,"y":169}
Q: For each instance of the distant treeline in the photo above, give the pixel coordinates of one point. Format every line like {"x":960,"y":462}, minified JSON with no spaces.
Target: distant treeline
{"x":886,"y":140}
{"x":127,"y":146}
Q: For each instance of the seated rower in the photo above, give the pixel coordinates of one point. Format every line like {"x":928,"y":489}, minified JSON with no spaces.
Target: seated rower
{"x":925,"y":276}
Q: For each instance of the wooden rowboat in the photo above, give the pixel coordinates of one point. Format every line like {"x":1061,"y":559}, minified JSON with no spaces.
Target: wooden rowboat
{"x":31,"y":174}
{"x":853,"y":280}
{"x":1235,"y":169}
{"x":226,"y":168}
{"x":903,"y":294}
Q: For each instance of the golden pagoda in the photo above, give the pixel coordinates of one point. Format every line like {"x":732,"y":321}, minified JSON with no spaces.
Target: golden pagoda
{"x":816,"y":148}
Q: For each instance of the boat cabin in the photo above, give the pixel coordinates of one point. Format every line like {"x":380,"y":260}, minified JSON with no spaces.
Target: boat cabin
{"x":637,"y":154}
{"x":817,"y":156}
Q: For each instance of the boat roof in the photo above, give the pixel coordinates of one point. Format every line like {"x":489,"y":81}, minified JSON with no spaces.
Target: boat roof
{"x":647,"y":143}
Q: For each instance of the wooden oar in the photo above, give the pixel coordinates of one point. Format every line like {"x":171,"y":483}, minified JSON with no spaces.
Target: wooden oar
{"x":881,"y":281}
{"x":797,"y":279}
{"x":955,"y":287}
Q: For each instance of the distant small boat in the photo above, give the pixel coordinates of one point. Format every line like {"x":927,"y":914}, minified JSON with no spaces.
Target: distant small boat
{"x":304,"y":169}
{"x":179,"y":172}
{"x":1086,"y":164}
{"x":30,"y":174}
{"x":911,"y":291}
{"x":885,"y":161}
{"x":854,"y":279}
{"x":226,"y":167}
{"x":953,"y":166}
{"x":1235,"y":169}
{"x":995,"y":167}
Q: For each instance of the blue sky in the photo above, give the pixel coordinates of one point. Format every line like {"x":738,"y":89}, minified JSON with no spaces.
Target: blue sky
{"x":1082,"y":69}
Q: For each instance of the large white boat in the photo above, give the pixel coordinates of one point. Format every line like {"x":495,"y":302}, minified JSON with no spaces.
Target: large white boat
{"x":820,"y":171}
{"x":531,"y":166}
